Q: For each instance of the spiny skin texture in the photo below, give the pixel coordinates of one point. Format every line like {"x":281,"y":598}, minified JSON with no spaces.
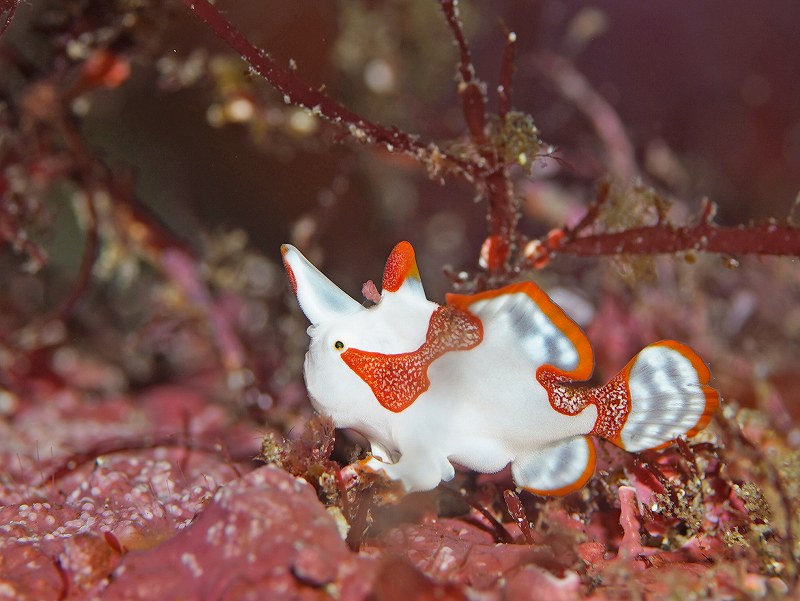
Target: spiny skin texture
{"x":488,"y":380}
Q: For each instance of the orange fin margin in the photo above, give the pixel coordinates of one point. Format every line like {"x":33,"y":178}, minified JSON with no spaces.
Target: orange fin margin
{"x":686,"y":400}
{"x":704,"y":377}
{"x":578,"y":482}
{"x":556,"y":314}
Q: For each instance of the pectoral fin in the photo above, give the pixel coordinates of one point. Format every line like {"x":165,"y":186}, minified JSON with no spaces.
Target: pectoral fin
{"x":558,"y":469}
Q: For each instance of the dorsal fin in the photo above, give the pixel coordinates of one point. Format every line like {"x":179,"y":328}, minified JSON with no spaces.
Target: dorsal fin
{"x":401,"y":275}
{"x":320,"y":299}
{"x":544,"y":332}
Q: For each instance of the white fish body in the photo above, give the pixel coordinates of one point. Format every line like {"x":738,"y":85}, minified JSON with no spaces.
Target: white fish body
{"x":483,"y":381}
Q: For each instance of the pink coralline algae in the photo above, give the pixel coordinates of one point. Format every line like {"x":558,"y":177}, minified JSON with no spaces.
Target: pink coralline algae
{"x":263,"y":536}
{"x":155,"y":496}
{"x":69,"y":545}
{"x":458,"y":553}
{"x":85,"y":485}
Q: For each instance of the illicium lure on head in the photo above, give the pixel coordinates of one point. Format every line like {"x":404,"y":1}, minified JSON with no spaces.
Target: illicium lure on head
{"x":483,"y":381}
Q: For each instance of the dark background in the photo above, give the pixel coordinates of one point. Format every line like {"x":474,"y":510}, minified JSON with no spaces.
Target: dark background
{"x":716,"y":82}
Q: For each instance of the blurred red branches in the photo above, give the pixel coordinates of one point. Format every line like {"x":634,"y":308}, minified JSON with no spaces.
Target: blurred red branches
{"x":297,"y":92}
{"x":496,"y":186}
{"x":505,"y":252}
{"x":761,"y":239}
{"x":771,"y":238}
{"x":486,"y":169}
{"x":7,"y":10}
{"x":58,"y":151}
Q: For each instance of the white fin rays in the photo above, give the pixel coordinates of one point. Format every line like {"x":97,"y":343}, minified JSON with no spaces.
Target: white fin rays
{"x":543,"y":331}
{"x":669,"y":396}
{"x":558,"y":469}
{"x":541,"y":340}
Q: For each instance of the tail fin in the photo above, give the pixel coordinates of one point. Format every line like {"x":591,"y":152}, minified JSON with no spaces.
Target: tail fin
{"x":665,"y":388}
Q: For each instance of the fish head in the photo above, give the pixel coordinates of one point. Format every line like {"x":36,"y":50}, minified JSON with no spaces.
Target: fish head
{"x":396,"y":324}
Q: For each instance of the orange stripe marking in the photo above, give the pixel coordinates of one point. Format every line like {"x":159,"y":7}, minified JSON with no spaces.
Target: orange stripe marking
{"x":398,"y":380}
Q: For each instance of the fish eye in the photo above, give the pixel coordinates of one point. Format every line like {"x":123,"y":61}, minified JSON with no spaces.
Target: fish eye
{"x":338,"y":345}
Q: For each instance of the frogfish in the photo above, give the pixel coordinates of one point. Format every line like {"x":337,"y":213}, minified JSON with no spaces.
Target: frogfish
{"x":483,"y":381}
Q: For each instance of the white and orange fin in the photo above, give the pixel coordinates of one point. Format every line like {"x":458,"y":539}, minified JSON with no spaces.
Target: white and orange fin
{"x":558,"y":469}
{"x":663,"y":393}
{"x":401,"y":275}
{"x":545,"y":333}
{"x":669,"y":396}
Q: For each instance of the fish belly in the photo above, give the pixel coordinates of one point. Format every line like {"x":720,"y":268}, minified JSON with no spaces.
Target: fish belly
{"x":492,"y":394}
